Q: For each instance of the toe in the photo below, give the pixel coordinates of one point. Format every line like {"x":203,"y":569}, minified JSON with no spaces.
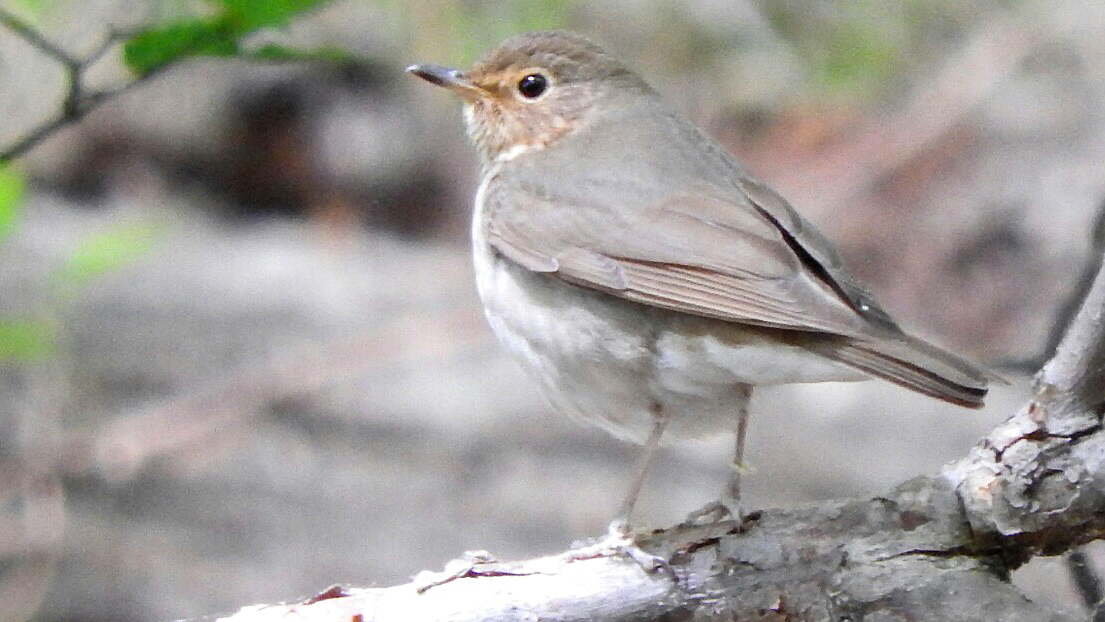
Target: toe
{"x":618,"y":528}
{"x":714,"y":512}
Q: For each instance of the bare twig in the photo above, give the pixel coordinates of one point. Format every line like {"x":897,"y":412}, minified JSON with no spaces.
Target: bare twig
{"x":32,"y":36}
{"x":1073,"y":381}
{"x":78,"y":100}
{"x":1078,"y":293}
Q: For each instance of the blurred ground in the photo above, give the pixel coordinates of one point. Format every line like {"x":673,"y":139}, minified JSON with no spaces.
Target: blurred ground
{"x":285,"y":383}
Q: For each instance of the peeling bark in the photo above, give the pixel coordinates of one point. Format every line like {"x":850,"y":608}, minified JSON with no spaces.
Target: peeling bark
{"x":1037,"y":481}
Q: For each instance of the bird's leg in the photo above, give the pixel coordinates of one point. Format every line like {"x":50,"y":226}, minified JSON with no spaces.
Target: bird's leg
{"x":731,"y":496}
{"x":620,"y":524}
{"x":619,"y":539}
{"x":729,"y":503}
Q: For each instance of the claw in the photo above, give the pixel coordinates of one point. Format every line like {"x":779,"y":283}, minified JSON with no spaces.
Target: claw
{"x":619,"y":542}
{"x":454,"y":570}
{"x":713,"y":513}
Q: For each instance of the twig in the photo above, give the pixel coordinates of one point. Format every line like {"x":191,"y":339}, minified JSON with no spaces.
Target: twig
{"x":78,"y":101}
{"x":32,"y":36}
{"x":1074,"y":379}
{"x":1081,"y":288}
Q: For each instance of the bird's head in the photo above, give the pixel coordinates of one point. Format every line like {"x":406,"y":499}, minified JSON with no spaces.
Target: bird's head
{"x":531,"y":90}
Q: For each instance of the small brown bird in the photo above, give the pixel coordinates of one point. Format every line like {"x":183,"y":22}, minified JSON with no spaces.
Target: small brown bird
{"x":640,"y":274}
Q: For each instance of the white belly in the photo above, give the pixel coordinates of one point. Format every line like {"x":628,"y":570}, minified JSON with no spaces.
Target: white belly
{"x":612,"y":362}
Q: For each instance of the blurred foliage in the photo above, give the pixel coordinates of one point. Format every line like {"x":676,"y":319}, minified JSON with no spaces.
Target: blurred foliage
{"x":220,"y":34}
{"x":856,"y":48}
{"x":849,"y":47}
{"x":218,"y":31}
{"x":26,"y":339}
{"x":104,"y":252}
{"x":33,"y":336}
{"x":465,"y":31}
{"x":857,"y":56}
{"x":22,"y":339}
{"x":12,"y":189}
{"x":157,"y":48}
{"x":249,"y":15}
{"x":283,"y":53}
{"x":34,"y":6}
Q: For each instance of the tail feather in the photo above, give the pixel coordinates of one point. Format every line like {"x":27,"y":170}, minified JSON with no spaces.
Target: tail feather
{"x":915,"y":365}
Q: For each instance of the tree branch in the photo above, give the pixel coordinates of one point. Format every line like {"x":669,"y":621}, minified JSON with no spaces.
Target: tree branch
{"x":934,"y":548}
{"x":1073,"y":381}
{"x":1038,"y":480}
{"x":907,"y":555}
{"x":33,"y":37}
{"x":78,"y":101}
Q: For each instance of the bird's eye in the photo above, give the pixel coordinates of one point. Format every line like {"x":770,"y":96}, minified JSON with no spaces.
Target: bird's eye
{"x":533,"y":85}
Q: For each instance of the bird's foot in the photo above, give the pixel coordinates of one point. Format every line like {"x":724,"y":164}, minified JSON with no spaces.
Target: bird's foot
{"x":618,"y":541}
{"x":455,"y":569}
{"x":713,"y":513}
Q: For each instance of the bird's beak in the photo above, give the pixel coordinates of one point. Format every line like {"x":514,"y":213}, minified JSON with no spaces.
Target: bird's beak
{"x":453,"y":79}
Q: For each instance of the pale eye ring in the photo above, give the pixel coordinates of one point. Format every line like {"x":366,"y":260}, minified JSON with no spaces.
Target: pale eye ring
{"x":533,"y":85}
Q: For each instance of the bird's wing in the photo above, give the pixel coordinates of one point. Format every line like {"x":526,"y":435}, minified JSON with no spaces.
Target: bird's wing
{"x":738,"y":254}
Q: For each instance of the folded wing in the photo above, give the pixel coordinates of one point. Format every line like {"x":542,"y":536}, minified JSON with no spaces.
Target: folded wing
{"x":740,"y":255}
{"x":695,"y":252}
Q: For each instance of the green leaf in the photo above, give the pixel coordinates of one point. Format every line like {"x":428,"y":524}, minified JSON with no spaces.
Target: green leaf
{"x":12,"y":189}
{"x":282,"y":53}
{"x":219,"y":35}
{"x":157,"y":47}
{"x":105,"y":252}
{"x":25,"y":340}
{"x":249,"y":15}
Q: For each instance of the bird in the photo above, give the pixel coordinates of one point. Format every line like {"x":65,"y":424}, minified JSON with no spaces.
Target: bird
{"x":645,"y":280}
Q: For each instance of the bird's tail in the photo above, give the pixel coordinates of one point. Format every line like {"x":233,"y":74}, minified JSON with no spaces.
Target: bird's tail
{"x":915,"y":365}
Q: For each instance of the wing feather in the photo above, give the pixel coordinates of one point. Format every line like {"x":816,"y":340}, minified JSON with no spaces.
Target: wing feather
{"x":680,"y":253}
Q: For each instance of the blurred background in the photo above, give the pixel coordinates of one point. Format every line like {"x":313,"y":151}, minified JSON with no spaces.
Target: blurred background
{"x":241,"y":355}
